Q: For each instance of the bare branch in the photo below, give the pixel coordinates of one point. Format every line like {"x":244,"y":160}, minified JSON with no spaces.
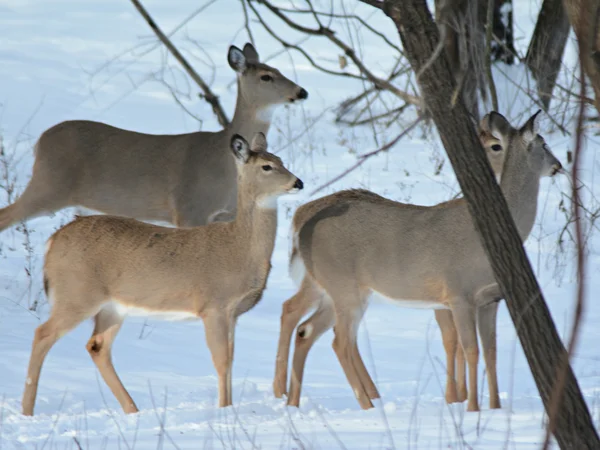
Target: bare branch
{"x":581,"y":265}
{"x":363,"y":157}
{"x":247,"y":22}
{"x":375,"y":3}
{"x":488,"y":53}
{"x":208,"y":94}
{"x":348,"y":51}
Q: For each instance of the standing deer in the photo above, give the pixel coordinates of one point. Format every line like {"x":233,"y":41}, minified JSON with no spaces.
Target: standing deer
{"x":107,"y":267}
{"x":186,"y":179}
{"x":351,"y":244}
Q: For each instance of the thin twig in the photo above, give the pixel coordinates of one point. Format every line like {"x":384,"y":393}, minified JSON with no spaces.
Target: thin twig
{"x":581,"y":268}
{"x":208,"y":94}
{"x":374,"y":3}
{"x":247,"y":22}
{"x":348,"y":51}
{"x":488,"y":53}
{"x":362,"y":158}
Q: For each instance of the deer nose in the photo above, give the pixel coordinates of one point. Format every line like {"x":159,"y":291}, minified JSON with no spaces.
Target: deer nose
{"x":298,"y":184}
{"x":557,"y":168}
{"x":303,"y":94}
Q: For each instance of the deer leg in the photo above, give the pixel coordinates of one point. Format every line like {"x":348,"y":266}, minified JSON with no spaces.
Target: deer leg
{"x":108,"y":324}
{"x":464,"y":319}
{"x":461,"y":374}
{"x":230,"y":348}
{"x":344,"y":342}
{"x":308,"y":333}
{"x":35,"y":201}
{"x":292,"y":311}
{"x":216,"y":327}
{"x":46,"y":335}
{"x":450,"y":340}
{"x":363,"y":373}
{"x":486,"y":322}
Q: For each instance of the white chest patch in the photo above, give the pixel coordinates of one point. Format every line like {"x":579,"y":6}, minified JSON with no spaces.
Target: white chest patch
{"x":128,"y":310}
{"x":406,"y":303}
{"x":265,"y":115}
{"x":268,"y":202}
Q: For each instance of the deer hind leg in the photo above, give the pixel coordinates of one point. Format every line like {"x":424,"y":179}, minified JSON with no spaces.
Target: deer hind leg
{"x":347,"y":320}
{"x":450,"y":340}
{"x":37,"y":199}
{"x":217,"y":328}
{"x":46,"y":335}
{"x":464,"y":319}
{"x":461,"y":374}
{"x":107,"y":325}
{"x":486,"y":322}
{"x":363,"y":373}
{"x":308,"y":333}
{"x":292,"y":311}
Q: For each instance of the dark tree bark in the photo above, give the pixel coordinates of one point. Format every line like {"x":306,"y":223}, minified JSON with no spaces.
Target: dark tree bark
{"x":546,"y":48}
{"x":461,"y":24}
{"x":584,"y":16}
{"x":503,"y":49}
{"x":501,"y":241}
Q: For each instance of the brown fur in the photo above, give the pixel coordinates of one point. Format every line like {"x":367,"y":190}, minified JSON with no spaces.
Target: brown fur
{"x":185,"y":179}
{"x":98,"y":266}
{"x":355,"y":243}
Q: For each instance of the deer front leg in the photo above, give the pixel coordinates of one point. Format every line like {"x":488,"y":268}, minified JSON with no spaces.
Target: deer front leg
{"x":488,"y":299}
{"x":217,"y":328}
{"x":464,"y":319}
{"x":450,"y":340}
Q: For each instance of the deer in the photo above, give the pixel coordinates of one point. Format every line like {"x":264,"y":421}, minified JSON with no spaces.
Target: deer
{"x":109,"y":267}
{"x":426,"y":256}
{"x":183,"y":179}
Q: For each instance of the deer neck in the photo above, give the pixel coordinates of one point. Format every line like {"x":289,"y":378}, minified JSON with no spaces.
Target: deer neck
{"x":256,"y":222}
{"x":520,"y":186}
{"x":250,"y":118}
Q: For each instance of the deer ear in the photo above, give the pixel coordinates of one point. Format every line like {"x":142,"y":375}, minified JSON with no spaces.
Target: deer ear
{"x":236,"y":59}
{"x":240,"y":148}
{"x":259,"y":142}
{"x":530,"y":130}
{"x":250,"y":53}
{"x":496,"y":124}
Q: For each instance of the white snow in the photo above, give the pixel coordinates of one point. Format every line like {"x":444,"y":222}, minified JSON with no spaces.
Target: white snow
{"x":50,"y":61}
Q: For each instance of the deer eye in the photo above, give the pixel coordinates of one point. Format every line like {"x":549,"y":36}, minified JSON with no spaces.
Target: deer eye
{"x":266,"y":78}
{"x":496,"y":147}
{"x":266,"y":168}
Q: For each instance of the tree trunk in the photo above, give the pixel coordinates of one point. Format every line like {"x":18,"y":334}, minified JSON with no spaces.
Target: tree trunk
{"x":504,"y":50}
{"x":501,"y":241}
{"x":461,"y":23}
{"x":584,"y":17}
{"x":546,"y":48}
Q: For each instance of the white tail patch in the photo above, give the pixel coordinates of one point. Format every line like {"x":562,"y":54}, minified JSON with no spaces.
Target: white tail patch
{"x":297,"y":269}
{"x":128,"y":310}
{"x":50,"y":296}
{"x":48,"y":245}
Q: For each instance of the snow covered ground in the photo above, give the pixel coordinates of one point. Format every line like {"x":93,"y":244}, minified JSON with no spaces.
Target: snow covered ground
{"x":49,"y":57}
